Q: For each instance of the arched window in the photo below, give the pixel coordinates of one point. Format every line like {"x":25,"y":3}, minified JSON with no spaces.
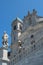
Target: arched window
{"x":15,"y":27}
{"x":32,"y":36}
{"x":20,"y":27}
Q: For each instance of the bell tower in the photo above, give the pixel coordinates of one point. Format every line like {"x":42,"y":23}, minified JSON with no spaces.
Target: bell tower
{"x":15,"y":34}
{"x":16,"y":30}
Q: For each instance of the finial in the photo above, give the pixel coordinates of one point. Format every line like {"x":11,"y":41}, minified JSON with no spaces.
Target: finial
{"x":5,"y":39}
{"x":24,"y":16}
{"x":28,"y":12}
{"x":34,"y":12}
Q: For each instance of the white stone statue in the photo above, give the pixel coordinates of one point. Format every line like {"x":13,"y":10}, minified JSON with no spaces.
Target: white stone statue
{"x":5,"y":39}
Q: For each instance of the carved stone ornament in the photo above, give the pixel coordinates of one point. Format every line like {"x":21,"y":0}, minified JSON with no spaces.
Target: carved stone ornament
{"x":5,"y":39}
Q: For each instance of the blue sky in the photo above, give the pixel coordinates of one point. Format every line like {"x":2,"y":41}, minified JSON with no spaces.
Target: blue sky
{"x":10,"y":9}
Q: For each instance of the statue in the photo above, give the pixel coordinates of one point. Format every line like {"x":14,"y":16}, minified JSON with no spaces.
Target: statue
{"x":5,"y":39}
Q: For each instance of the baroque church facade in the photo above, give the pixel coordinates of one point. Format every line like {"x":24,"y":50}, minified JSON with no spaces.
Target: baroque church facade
{"x":26,"y":42}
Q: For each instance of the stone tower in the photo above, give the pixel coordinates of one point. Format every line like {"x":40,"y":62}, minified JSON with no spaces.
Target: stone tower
{"x":4,"y":50}
{"x":15,"y":34}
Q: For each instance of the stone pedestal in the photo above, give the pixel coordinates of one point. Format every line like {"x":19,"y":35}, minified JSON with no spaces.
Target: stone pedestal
{"x":4,"y":56}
